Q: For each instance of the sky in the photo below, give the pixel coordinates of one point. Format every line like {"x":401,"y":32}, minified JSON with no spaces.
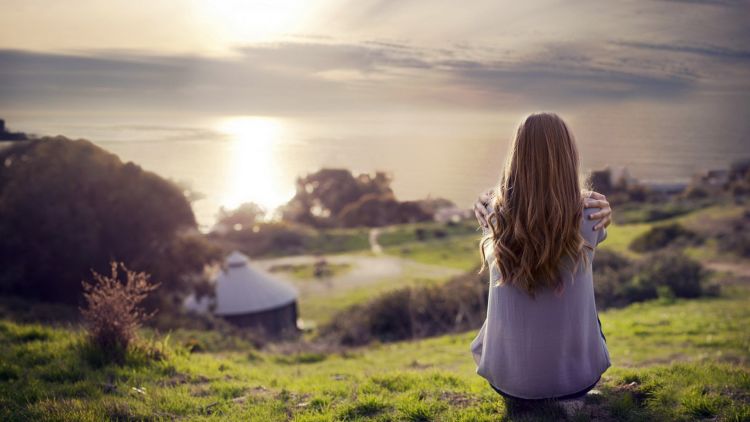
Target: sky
{"x":370,"y":57}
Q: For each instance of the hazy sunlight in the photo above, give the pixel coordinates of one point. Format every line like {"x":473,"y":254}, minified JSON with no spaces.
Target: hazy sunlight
{"x":252,"y":173}
{"x":253,"y":21}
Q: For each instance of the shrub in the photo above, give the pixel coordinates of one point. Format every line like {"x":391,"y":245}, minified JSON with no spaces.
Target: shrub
{"x":377,"y":210}
{"x":618,"y":281}
{"x":413,"y":312}
{"x":460,"y":304}
{"x":606,"y":259}
{"x":113,"y":313}
{"x":675,"y":270}
{"x":737,"y":239}
{"x":612,"y":278}
{"x":661,"y":210}
{"x":661,"y":236}
{"x":737,"y":242}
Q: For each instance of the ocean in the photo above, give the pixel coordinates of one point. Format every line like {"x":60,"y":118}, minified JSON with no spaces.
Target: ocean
{"x":228,"y":160}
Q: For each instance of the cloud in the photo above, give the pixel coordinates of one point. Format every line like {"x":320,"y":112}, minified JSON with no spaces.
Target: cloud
{"x":707,"y":50}
{"x":320,"y":75}
{"x":724,"y":3}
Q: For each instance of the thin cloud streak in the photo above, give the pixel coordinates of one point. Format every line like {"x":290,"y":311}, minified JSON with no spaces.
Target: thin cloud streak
{"x":292,"y":77}
{"x":708,"y":51}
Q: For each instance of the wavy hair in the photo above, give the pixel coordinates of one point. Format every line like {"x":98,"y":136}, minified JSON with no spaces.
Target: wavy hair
{"x":538,"y":207}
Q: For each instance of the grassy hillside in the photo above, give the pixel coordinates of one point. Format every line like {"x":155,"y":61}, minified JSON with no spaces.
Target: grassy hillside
{"x":456,"y":247}
{"x":672,"y":360}
{"x":683,"y":360}
{"x":461,"y":249}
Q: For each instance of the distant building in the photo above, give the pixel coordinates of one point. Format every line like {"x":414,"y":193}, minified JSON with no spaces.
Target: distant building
{"x":452,"y":214}
{"x":713,"y":178}
{"x":249,"y":298}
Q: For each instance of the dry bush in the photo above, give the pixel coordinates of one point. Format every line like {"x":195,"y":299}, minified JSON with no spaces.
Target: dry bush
{"x":112,"y":313}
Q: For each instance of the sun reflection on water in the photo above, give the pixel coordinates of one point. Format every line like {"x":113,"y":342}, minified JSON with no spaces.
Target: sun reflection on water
{"x":253,"y":170}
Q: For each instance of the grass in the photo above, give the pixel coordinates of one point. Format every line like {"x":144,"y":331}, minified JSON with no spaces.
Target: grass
{"x":320,"y":308}
{"x":619,"y":238}
{"x":339,"y":240}
{"x":672,"y":360}
{"x":461,"y":248}
{"x":460,"y":252}
{"x":408,"y":233}
{"x":683,"y":360}
{"x":628,"y":213}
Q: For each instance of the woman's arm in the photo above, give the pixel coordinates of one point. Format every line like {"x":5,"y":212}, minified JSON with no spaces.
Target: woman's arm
{"x":595,"y":200}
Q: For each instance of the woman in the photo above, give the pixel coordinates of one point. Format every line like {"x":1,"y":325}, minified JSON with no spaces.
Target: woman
{"x":542,"y":338}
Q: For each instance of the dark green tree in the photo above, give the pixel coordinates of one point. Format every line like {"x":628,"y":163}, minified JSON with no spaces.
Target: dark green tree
{"x":68,"y":207}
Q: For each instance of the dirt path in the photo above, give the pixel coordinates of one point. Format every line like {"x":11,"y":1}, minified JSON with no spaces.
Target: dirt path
{"x":738,"y":269}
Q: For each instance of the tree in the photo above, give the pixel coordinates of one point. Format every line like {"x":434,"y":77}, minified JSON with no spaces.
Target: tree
{"x":244,"y":216}
{"x":321,"y":196}
{"x":68,"y":207}
{"x":374,"y":210}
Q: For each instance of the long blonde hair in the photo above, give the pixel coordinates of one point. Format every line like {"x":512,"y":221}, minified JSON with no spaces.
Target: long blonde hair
{"x":536,"y":217}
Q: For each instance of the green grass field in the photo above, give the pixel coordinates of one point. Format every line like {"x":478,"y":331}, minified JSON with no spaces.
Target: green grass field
{"x":672,"y":360}
{"x":321,"y":307}
{"x":460,"y":250}
{"x":683,"y":360}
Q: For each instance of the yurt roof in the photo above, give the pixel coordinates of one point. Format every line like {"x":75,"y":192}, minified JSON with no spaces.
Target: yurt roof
{"x":241,"y":289}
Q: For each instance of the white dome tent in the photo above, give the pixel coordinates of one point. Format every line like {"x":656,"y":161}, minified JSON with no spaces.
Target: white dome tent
{"x":250,"y":298}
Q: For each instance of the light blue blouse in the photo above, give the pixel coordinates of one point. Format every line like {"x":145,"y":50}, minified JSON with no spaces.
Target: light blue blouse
{"x":546,"y":347}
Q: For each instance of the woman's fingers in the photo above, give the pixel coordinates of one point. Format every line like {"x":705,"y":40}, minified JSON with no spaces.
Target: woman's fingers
{"x":605,"y":222}
{"x":480,"y":208}
{"x":481,"y":213}
{"x":604,"y":215}
{"x":605,"y":212}
{"x":595,"y":203}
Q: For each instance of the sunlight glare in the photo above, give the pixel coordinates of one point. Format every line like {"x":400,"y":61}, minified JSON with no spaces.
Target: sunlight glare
{"x":253,"y":169}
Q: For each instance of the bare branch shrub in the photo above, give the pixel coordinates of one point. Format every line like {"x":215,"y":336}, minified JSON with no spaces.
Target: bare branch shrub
{"x":112,"y":313}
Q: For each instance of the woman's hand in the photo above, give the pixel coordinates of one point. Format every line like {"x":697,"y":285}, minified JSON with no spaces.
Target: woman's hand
{"x":480,"y":209}
{"x":594,"y":200}
{"x":597,"y":200}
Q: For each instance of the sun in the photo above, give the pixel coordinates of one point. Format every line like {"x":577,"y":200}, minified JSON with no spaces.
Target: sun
{"x":250,"y":21}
